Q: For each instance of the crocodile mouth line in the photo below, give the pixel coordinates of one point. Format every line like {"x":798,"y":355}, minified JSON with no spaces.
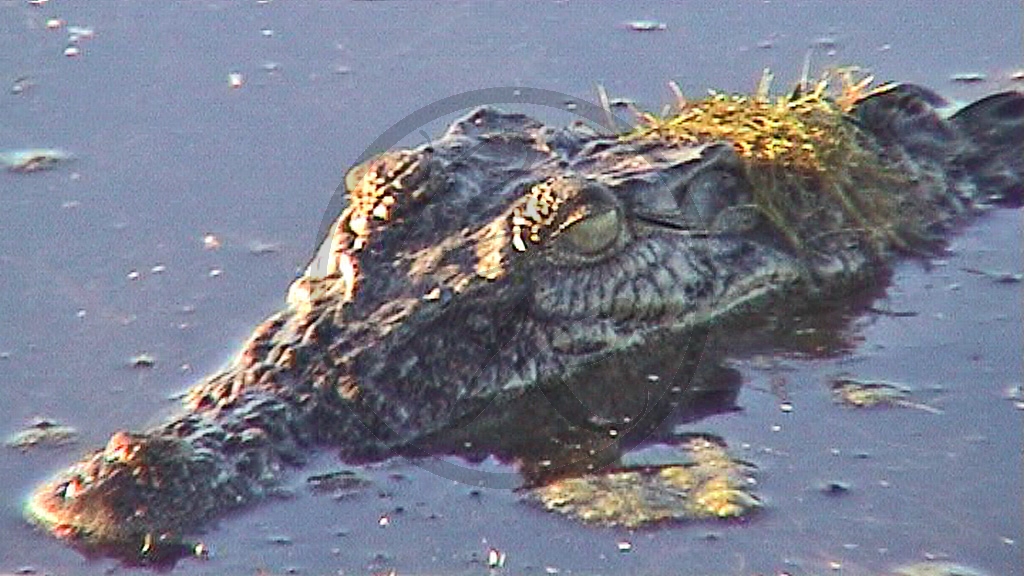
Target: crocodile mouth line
{"x":666,"y":224}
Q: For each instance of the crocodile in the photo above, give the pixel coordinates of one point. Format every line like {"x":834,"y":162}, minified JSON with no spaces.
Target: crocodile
{"x":509,"y":275}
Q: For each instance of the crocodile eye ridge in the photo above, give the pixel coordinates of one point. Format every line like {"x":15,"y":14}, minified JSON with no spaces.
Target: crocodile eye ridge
{"x":704,"y":197}
{"x":717,"y":201}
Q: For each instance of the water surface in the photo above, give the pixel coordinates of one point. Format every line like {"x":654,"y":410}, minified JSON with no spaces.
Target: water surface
{"x":168,"y":152}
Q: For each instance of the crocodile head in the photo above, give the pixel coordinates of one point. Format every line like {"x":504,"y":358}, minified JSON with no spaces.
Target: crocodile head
{"x":507,"y":258}
{"x":507,"y":254}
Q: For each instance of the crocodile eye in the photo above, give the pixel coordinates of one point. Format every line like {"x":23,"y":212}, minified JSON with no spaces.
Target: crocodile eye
{"x":595,"y":233}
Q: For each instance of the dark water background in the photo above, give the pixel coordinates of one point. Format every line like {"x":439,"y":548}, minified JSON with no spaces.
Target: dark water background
{"x":168,"y":152}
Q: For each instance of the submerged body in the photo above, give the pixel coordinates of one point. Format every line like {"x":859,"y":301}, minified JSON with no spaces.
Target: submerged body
{"x":510,"y":257}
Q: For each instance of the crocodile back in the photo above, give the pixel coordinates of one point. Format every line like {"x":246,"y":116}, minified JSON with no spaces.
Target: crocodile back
{"x":979,"y":149}
{"x":995,"y":127}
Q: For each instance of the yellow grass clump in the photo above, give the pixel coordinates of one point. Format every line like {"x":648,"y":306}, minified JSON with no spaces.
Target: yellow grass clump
{"x":804,"y":157}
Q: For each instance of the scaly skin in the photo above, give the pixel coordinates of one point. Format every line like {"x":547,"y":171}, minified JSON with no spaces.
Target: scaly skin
{"x":509,"y":257}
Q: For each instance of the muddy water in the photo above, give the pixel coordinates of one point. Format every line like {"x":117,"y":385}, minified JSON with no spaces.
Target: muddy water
{"x":167,"y":152}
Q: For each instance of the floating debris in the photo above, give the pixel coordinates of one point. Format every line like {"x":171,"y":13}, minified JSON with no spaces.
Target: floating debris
{"x":996,"y":276}
{"x":828,"y":42}
{"x":495,"y":558}
{"x":142,"y":360}
{"x":1015,"y":394}
{"x":42,"y":432}
{"x":892,"y":313}
{"x":869,"y":394}
{"x":258,"y":248}
{"x":624,"y":103}
{"x":834,"y":488}
{"x":932,"y":568}
{"x":968,"y":77}
{"x":866,"y":394}
{"x":338,"y":484}
{"x":21,"y":84}
{"x":33,"y":159}
{"x":646,"y":25}
{"x":77,"y":33}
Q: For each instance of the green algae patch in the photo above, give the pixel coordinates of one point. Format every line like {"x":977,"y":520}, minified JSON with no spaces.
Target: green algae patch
{"x":812,"y":169}
{"x":874,"y":393}
{"x":709,"y":484}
